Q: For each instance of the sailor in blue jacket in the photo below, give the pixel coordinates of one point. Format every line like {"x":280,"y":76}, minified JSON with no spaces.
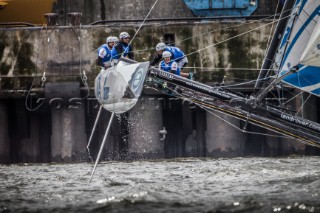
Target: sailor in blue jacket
{"x":177,"y":55}
{"x":169,"y":65}
{"x":122,"y":48}
{"x":104,"y":52}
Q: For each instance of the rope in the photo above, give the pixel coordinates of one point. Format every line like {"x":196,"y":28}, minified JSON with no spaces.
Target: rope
{"x":269,"y":39}
{"x":142,"y":23}
{"x":82,"y":74}
{"x":236,"y":36}
{"x":43,"y":79}
{"x":224,"y":28}
{"x":222,"y":68}
{"x":284,"y":133}
{"x":210,"y":108}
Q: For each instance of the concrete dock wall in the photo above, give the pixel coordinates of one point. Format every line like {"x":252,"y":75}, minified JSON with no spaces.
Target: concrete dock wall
{"x":4,"y":133}
{"x":228,"y":139}
{"x":65,"y":54}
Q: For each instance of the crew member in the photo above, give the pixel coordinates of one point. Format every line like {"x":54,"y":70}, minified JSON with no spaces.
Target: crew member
{"x":122,"y":48}
{"x":104,"y":52}
{"x":177,"y":55}
{"x":169,"y":65}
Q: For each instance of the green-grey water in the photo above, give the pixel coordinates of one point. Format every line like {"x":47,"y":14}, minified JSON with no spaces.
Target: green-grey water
{"x":177,"y":185}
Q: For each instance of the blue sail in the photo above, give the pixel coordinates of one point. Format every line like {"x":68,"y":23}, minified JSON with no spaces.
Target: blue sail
{"x":299,"y":31}
{"x":306,"y":79}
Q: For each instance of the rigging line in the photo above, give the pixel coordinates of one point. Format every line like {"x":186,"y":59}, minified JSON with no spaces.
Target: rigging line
{"x":233,"y":37}
{"x":291,"y":99}
{"x":82,"y":75}
{"x":140,"y":28}
{"x":222,"y":68}
{"x":267,"y":126}
{"x":234,"y":26}
{"x":303,"y":10}
{"x":305,"y":79}
{"x":242,"y":130}
{"x":142,"y":23}
{"x":266,"y":84}
{"x":295,"y":96}
{"x":257,"y":123}
{"x":272,"y":68}
{"x":244,"y":83}
{"x":210,"y":110}
{"x":224,"y":28}
{"x":269,"y":39}
{"x":26,"y":100}
{"x":303,"y":103}
{"x":301,"y":94}
{"x":305,"y":28}
{"x":243,"y":80}
{"x":308,"y":81}
{"x":47,"y":46}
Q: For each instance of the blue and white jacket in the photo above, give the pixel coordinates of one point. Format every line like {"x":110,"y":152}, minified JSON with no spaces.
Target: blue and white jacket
{"x":171,"y":67}
{"x":104,"y":55}
{"x":122,"y":48}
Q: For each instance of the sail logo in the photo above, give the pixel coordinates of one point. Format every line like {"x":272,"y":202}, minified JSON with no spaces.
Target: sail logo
{"x":300,"y":122}
{"x":137,"y":80}
{"x":289,"y":64}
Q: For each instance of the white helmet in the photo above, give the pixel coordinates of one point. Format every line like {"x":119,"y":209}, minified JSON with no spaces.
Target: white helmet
{"x":109,"y":39}
{"x":124,"y":35}
{"x":160,"y":46}
{"x":166,"y":54}
{"x":115,"y":39}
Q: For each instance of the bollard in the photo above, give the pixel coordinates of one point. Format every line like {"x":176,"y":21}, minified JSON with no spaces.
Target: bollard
{"x":75,"y":18}
{"x":51,"y":19}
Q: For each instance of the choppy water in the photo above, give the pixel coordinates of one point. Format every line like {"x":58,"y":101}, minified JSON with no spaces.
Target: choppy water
{"x":179,"y":185}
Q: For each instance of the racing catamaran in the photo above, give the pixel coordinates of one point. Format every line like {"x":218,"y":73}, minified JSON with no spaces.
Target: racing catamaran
{"x":296,"y":63}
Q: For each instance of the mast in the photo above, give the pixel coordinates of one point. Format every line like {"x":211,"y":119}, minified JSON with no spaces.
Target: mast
{"x":286,"y":10}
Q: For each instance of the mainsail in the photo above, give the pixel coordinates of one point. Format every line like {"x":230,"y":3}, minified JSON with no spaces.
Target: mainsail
{"x":300,"y":48}
{"x":311,"y":55}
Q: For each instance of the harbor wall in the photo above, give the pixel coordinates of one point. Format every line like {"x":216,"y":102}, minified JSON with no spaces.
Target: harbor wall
{"x":215,"y":49}
{"x":46,"y":125}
